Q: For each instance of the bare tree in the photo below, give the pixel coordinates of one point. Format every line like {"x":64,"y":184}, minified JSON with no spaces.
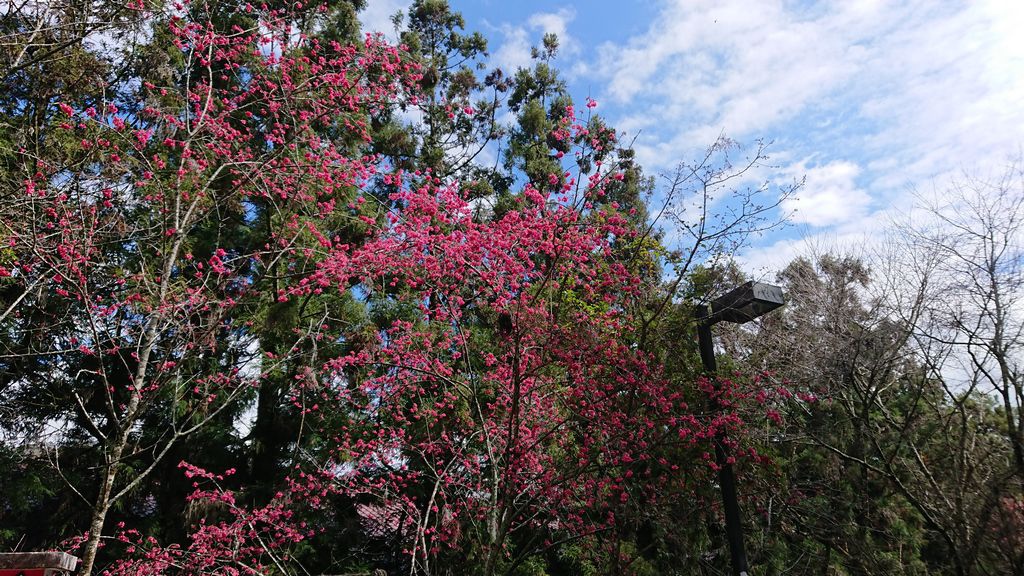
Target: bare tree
{"x":973,"y":311}
{"x":709,"y":209}
{"x":916,"y":364}
{"x":965,"y":260}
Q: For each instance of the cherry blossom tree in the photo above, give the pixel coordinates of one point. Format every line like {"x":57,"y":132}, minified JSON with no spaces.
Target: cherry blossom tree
{"x":501,"y":410}
{"x":110,"y":230}
{"x":500,"y":404}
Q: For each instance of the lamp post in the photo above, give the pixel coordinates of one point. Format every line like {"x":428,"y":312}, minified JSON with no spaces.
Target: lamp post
{"x":741,"y":305}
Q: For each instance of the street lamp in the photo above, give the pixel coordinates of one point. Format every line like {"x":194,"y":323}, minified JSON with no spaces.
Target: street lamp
{"x":740,"y":305}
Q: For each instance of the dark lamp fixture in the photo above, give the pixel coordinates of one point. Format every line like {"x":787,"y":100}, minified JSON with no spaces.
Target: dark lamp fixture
{"x":743,"y":303}
{"x":740,"y":305}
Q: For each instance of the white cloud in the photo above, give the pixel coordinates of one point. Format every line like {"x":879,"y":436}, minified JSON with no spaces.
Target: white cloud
{"x":735,"y":66}
{"x":376,"y":17}
{"x":947,"y":94}
{"x":556,"y":23}
{"x":915,"y":77}
{"x":515,"y":50}
{"x":885,"y":96}
{"x":763,"y":262}
{"x":829,"y":196}
{"x":859,"y":236}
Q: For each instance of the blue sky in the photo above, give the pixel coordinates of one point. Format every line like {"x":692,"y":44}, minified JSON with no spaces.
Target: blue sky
{"x":871,"y":101}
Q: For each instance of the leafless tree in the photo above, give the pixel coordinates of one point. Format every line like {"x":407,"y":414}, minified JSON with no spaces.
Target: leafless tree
{"x":709,"y":209}
{"x":916,"y":361}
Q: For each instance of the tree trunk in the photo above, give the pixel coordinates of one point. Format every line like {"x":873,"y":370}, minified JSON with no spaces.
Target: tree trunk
{"x":113,"y":457}
{"x":102,"y":504}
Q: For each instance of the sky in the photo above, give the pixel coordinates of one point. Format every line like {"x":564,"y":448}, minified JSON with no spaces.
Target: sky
{"x":871,"y":103}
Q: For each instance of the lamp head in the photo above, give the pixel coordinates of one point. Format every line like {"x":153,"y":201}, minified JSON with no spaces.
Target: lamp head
{"x":744,"y":303}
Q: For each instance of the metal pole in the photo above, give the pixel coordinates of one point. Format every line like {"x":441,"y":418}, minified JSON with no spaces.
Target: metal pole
{"x":726,"y":476}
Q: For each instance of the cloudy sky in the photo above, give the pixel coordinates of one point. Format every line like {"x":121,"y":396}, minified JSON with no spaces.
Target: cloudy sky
{"x":870,"y":100}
